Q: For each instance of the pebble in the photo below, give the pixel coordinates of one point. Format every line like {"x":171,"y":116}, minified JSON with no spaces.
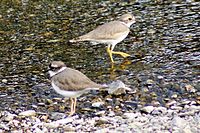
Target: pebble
{"x":137,"y":121}
{"x":28,"y":113}
{"x":100,"y":113}
{"x":161,"y":109}
{"x":57,"y":116}
{"x":117,"y":88}
{"x":9,"y":117}
{"x":97,"y":104}
{"x":178,"y":122}
{"x":190,"y":88}
{"x":150,"y":82}
{"x":176,"y":107}
{"x":170,"y":103}
{"x":4,"y":80}
{"x":147,"y":109}
{"x":57,"y":123}
{"x":130,"y":115}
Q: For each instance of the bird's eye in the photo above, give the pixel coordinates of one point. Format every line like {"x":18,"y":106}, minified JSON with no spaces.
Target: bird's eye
{"x":129,"y":18}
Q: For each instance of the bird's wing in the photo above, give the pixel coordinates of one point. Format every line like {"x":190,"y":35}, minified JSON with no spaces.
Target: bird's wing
{"x":109,"y":30}
{"x":71,"y":80}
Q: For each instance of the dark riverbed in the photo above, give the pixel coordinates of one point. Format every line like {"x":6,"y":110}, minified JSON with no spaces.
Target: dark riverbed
{"x":164,"y":44}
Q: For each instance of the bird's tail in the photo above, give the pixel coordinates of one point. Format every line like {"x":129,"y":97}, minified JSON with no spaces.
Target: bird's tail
{"x":78,"y":39}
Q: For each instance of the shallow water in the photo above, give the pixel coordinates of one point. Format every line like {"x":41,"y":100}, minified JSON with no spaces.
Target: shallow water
{"x":164,"y":44}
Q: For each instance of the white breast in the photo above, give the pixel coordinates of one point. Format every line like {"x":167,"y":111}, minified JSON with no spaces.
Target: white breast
{"x":69,"y":94}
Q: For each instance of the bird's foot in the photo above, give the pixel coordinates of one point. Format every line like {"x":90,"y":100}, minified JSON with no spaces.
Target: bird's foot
{"x":121,"y":53}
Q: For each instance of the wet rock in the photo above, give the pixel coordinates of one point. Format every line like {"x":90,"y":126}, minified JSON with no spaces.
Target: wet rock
{"x":28,"y":113}
{"x":147,"y":109}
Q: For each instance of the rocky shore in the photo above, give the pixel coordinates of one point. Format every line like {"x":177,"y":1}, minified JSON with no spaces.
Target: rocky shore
{"x":179,"y":117}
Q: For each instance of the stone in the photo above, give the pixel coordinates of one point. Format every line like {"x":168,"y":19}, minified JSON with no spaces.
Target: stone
{"x":150,"y":82}
{"x":111,"y":113}
{"x":130,"y":115}
{"x":28,"y":113}
{"x":97,"y":104}
{"x":57,"y":116}
{"x":179,"y":122}
{"x":117,"y":88}
{"x":64,"y":121}
{"x":190,"y":88}
{"x":176,"y":107}
{"x":9,"y":117}
{"x":187,"y":129}
{"x":170,"y":103}
{"x":57,"y":123}
{"x":101,"y":121}
{"x":100,"y":113}
{"x":147,"y":109}
{"x":4,"y":80}
{"x":161,"y":109}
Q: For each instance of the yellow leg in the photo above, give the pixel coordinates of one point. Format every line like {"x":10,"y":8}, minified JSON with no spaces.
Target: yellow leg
{"x":121,"y":53}
{"x":72,"y":111}
{"x":110,"y":54}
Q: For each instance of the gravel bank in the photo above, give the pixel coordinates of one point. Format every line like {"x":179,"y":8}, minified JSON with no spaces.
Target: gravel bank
{"x":180,"y":118}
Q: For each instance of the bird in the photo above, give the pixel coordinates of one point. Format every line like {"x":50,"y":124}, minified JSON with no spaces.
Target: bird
{"x":70,"y":83}
{"x":110,"y":33}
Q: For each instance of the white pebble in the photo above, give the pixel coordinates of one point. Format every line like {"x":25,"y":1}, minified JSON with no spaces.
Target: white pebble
{"x":28,"y":113}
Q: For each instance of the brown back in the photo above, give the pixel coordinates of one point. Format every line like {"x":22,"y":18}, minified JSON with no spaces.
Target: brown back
{"x":73,"y":80}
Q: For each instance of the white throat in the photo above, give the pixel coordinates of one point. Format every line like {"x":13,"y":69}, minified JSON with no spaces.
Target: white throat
{"x":52,"y":73}
{"x":127,"y":24}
